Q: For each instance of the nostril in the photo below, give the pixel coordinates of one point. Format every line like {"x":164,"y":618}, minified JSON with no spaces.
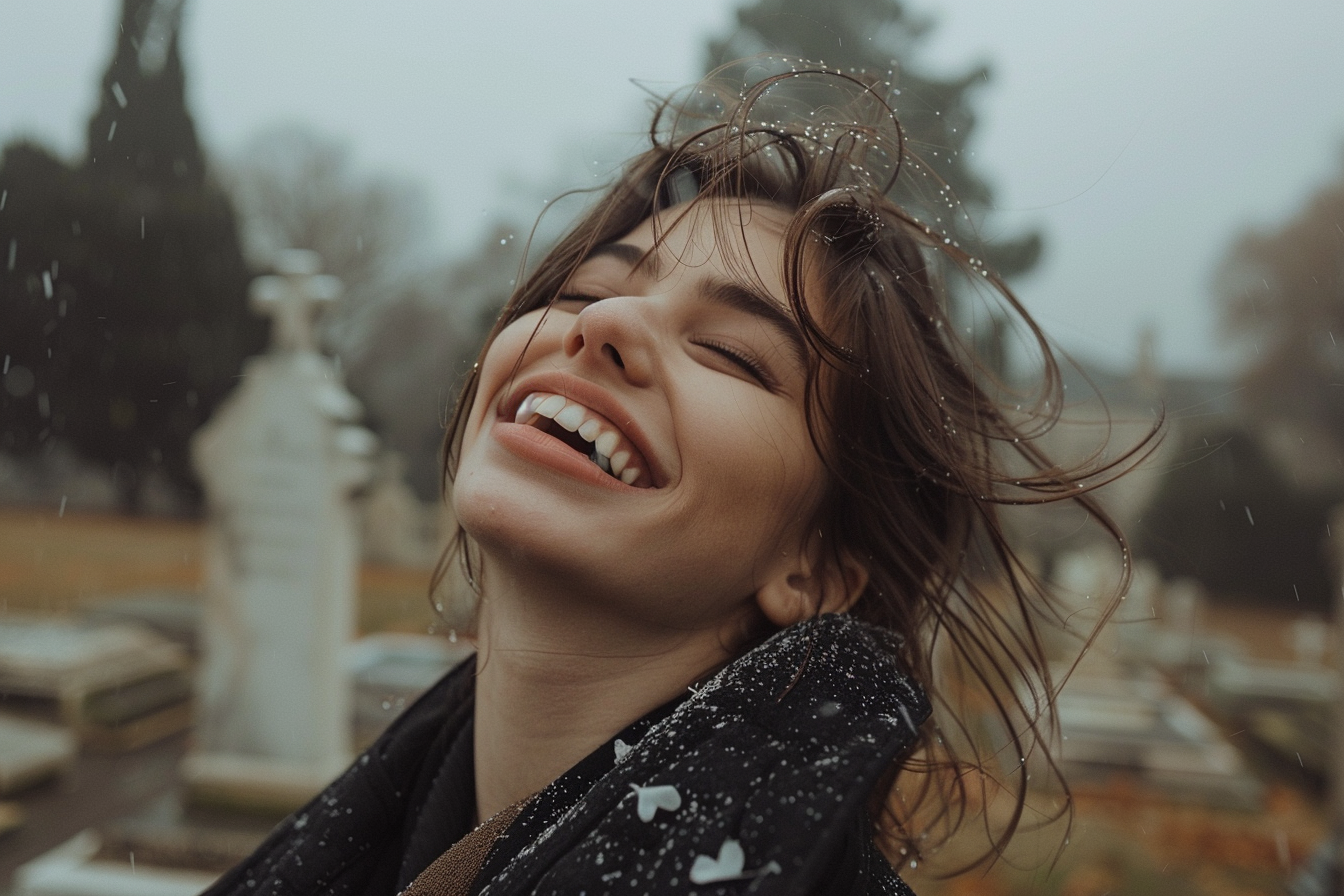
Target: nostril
{"x":610,"y":351}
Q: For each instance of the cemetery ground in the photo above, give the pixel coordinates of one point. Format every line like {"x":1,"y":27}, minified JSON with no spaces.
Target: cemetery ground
{"x":68,"y":565}
{"x":63,"y":564}
{"x":1128,"y":837}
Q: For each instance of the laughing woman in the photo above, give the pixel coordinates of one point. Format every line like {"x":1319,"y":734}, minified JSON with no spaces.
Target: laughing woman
{"x":720,"y":473}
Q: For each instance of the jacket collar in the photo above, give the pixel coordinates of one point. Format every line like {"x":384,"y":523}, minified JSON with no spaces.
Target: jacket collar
{"x":758,"y":777}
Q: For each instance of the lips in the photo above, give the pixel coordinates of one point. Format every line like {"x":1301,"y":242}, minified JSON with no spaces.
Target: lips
{"x":580,"y":415}
{"x":587,"y":432}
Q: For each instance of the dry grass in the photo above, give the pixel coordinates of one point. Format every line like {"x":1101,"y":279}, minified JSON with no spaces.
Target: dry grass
{"x":51,"y":563}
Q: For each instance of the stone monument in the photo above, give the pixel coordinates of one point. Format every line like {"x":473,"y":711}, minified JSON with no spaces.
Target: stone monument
{"x":398,"y":530}
{"x":280,"y":462}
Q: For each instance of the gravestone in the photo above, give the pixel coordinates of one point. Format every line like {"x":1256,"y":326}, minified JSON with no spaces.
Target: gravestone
{"x":280,"y":462}
{"x":392,"y":669}
{"x":398,"y":529}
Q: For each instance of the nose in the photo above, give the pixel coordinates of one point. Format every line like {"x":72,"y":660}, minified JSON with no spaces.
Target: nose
{"x":616,"y":335}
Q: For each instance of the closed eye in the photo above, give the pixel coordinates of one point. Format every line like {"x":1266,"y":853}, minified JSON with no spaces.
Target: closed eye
{"x":740,"y":358}
{"x":576,"y":298}
{"x":736,"y":356}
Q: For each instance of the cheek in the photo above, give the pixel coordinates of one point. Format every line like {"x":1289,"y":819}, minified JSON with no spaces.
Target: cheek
{"x":760,"y":467}
{"x":503,"y":353}
{"x":503,"y":357}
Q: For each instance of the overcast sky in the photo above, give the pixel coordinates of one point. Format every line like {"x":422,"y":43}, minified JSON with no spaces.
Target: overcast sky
{"x":1140,"y":137}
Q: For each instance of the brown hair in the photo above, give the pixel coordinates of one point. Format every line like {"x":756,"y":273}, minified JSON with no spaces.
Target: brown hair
{"x":920,"y":456}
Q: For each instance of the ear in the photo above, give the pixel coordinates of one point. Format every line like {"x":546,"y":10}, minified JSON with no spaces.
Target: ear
{"x":812,"y":582}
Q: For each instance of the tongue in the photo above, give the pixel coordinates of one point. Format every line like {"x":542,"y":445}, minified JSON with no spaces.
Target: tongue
{"x":572,"y":440}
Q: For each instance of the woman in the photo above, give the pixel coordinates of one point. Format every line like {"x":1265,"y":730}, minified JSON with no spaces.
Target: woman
{"x":723,"y":475}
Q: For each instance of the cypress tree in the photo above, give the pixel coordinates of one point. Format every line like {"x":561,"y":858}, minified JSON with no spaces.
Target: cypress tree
{"x":124,"y":295}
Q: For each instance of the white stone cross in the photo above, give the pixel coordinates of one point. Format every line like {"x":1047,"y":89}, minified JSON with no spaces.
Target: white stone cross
{"x":292,"y":298}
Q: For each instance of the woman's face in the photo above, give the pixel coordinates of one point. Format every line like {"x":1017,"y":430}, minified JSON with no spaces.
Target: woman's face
{"x":643,"y":442}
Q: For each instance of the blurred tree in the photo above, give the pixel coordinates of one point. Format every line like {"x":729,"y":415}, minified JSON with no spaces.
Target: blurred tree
{"x":295,"y":189}
{"x":876,"y":37}
{"x":406,"y":329}
{"x":1229,"y":518}
{"x":141,"y":133}
{"x":122,"y":296}
{"x":1282,"y":290}
{"x":415,"y":353}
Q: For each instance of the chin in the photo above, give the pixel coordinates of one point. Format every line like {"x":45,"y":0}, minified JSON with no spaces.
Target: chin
{"x":520,"y":527}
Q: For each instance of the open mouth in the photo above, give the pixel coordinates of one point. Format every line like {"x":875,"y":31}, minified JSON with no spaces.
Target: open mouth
{"x":586,"y":432}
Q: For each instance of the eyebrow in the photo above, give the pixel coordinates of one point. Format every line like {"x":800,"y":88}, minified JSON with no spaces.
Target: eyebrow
{"x":724,"y":293}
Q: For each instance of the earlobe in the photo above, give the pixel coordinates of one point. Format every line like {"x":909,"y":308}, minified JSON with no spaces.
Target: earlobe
{"x":812,"y":588}
{"x":782,"y":602}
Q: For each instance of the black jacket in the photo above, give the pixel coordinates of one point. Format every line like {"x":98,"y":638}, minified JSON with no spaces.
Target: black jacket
{"x":756,"y":783}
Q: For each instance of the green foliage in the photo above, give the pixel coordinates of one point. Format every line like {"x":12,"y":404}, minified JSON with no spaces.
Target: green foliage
{"x":877,"y":37}
{"x":1229,"y":519}
{"x":122,"y":290}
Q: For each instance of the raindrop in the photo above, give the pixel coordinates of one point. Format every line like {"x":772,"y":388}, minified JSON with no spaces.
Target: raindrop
{"x":119,"y":94}
{"x":111,"y":131}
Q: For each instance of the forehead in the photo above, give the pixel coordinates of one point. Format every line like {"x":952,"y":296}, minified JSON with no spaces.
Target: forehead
{"x":738,"y":238}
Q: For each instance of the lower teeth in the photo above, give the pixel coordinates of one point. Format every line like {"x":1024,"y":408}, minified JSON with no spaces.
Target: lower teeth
{"x":601,"y":461}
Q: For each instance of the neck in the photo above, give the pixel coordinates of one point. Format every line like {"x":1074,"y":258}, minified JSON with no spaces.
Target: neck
{"x":557,"y":678}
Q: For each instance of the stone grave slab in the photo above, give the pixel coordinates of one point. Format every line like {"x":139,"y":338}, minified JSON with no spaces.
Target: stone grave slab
{"x":31,"y":752}
{"x":1132,"y":722}
{"x":115,"y":686}
{"x":174,"y":615}
{"x":390,"y":671}
{"x":74,"y":869}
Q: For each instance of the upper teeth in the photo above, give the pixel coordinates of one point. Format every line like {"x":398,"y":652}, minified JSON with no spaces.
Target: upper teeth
{"x":611,"y":452}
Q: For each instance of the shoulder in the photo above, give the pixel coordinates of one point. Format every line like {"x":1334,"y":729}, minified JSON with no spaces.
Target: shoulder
{"x":860,"y":869}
